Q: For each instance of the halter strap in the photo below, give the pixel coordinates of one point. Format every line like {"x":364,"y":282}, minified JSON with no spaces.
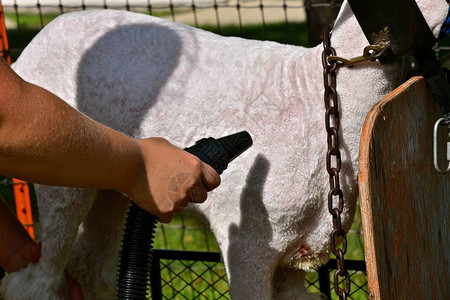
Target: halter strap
{"x":398,"y":24}
{"x":401,"y":26}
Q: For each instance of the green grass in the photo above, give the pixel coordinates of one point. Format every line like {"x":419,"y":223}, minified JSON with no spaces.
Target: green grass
{"x":193,"y":280}
{"x":288,"y":33}
{"x":355,"y":251}
{"x":180,"y":279}
{"x":186,"y":233}
{"x":39,"y":20}
{"x":285,"y":33}
{"x":28,"y":20}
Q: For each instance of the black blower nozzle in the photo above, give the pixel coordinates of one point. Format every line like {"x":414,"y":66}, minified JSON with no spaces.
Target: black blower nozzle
{"x":136,"y":252}
{"x":218,"y":153}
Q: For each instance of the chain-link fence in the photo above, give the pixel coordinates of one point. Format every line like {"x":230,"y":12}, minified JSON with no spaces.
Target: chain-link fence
{"x":197,"y":272}
{"x":279,"y":20}
{"x":297,"y":22}
{"x":199,"y":275}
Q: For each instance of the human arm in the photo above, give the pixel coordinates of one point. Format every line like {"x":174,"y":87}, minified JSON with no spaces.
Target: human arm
{"x":44,"y":140}
{"x":17,"y":249}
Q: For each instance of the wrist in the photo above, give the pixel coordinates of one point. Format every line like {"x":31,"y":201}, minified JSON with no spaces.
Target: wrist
{"x":134,"y":179}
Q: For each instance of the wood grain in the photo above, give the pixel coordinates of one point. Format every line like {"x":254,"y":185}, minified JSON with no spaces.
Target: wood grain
{"x":404,"y":201}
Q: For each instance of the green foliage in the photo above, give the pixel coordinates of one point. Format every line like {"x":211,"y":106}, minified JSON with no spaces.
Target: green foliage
{"x":31,"y":20}
{"x":185,"y":233}
{"x":359,"y":289}
{"x":282,"y":32}
{"x":27,"y":26}
{"x":193,"y":280}
{"x":286,"y":33}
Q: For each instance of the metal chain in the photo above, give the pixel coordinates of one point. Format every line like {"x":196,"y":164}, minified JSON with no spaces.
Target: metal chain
{"x":334,"y":162}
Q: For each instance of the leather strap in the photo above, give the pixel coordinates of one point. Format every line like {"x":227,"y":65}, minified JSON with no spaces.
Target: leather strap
{"x":400,"y":25}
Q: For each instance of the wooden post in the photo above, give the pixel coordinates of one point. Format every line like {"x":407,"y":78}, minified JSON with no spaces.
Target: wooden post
{"x":319,"y":14}
{"x":404,"y":200}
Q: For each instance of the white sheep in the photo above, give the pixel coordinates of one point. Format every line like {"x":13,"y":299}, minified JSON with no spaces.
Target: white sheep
{"x":148,"y":77}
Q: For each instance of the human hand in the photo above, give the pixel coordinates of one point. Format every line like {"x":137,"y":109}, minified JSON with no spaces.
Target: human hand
{"x":30,"y":253}
{"x":171,"y":178}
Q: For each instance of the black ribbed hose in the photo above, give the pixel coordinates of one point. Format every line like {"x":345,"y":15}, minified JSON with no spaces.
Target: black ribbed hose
{"x":136,"y":252}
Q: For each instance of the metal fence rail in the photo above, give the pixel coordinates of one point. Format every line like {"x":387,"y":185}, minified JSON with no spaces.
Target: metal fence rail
{"x":198,"y":284}
{"x":215,"y":15}
{"x":206,"y":276}
{"x":196,"y":273}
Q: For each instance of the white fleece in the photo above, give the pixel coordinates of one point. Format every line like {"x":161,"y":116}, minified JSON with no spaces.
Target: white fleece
{"x":148,"y":77}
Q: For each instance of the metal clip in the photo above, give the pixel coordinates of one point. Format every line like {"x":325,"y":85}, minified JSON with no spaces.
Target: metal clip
{"x":440,"y":122}
{"x":371,"y":53}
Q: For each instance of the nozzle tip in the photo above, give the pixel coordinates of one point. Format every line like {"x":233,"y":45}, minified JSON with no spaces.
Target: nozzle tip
{"x":235,"y":144}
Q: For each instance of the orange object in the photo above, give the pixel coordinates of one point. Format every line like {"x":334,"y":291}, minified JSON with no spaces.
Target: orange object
{"x":21,"y":190}
{"x":4,"y":46}
{"x":23,"y":205}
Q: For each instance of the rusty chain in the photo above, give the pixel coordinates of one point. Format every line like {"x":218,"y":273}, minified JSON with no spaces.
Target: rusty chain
{"x":333,"y":161}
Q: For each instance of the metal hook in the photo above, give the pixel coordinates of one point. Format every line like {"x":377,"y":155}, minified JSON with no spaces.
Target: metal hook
{"x":440,"y":122}
{"x":370,"y":53}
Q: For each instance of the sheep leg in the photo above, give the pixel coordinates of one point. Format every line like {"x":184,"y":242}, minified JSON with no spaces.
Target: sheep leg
{"x":245,"y":236}
{"x":289,"y":284}
{"x":61,"y":211}
{"x":92,"y":266}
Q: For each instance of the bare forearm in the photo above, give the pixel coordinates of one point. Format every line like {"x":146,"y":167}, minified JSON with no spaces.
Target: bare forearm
{"x":44,"y":140}
{"x":54,"y":139}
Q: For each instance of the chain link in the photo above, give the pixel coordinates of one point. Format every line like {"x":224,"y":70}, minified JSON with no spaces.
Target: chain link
{"x":333,"y":161}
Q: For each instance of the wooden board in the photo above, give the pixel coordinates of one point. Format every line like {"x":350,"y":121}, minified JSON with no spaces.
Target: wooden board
{"x":404,"y":201}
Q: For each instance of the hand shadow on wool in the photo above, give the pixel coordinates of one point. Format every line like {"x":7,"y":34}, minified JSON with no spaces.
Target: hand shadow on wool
{"x":250,"y":240}
{"x":118,"y":81}
{"x":121,"y":75}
